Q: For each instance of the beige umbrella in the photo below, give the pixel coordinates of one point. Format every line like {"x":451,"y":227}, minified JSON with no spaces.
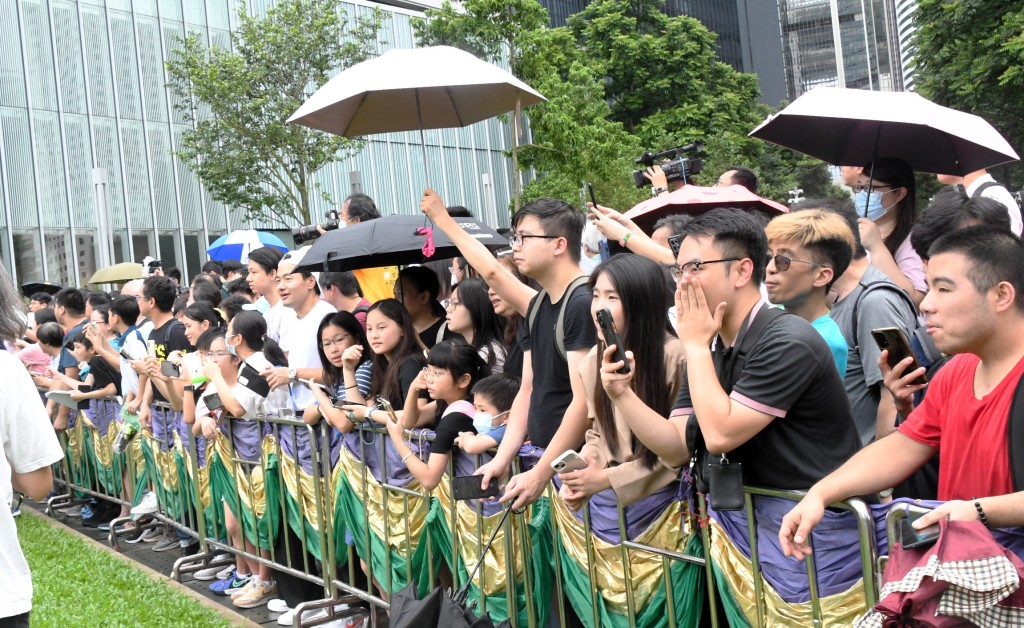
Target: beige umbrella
{"x":118,"y":273}
{"x":414,"y":89}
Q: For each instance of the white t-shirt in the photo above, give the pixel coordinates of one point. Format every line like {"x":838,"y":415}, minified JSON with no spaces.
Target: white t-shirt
{"x":1001,"y":194}
{"x":28,"y":443}
{"x":299,"y":342}
{"x":279,"y":319}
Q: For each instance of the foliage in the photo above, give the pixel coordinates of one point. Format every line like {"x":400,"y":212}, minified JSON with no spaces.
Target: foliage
{"x":238,"y":100}
{"x":103,"y":589}
{"x":970,"y":56}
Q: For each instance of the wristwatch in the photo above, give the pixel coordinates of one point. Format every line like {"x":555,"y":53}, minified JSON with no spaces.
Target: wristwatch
{"x":657,"y":191}
{"x":292,"y":374}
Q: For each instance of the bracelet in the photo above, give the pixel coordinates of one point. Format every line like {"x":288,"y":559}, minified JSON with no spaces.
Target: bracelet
{"x":625,"y":238}
{"x":190,"y":388}
{"x":351,"y":387}
{"x":410,"y":454}
{"x":981,"y":514}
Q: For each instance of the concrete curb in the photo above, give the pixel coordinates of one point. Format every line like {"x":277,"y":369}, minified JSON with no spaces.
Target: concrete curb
{"x":226,"y":613}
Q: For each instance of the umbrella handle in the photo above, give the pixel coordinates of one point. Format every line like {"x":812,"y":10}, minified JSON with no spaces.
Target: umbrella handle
{"x":462,"y":593}
{"x":428,"y":246}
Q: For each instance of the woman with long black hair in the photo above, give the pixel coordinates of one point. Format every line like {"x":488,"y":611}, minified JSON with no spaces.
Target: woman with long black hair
{"x":471,"y":314}
{"x":636,"y":291}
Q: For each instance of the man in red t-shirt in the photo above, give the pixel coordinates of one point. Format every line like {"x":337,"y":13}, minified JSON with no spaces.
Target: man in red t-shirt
{"x":974,"y":309}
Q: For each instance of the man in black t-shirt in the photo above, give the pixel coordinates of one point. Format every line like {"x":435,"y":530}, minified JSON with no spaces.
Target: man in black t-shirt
{"x":551,"y":407}
{"x":786,"y":417}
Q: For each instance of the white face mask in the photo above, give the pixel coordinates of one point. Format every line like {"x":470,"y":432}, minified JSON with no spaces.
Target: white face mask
{"x":483,"y":422}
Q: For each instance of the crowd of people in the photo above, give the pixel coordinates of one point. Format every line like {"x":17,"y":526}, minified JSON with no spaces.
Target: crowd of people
{"x":750,"y":346}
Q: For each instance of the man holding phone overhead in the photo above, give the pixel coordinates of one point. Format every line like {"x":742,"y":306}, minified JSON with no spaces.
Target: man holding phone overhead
{"x":974,"y":309}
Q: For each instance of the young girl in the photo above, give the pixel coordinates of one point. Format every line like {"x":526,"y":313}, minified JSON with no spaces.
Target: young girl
{"x":348,"y":371}
{"x":396,"y":361}
{"x":471,"y":314}
{"x":636,"y":292}
{"x":417,"y":289}
{"x":453,"y":366}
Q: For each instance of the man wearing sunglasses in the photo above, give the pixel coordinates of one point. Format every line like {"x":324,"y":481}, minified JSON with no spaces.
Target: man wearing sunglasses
{"x":808,"y":251}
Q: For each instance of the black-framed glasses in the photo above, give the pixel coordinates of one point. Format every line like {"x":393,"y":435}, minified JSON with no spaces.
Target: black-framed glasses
{"x":337,"y":340}
{"x":690,"y":268}
{"x":857,"y":189}
{"x":516,"y":239}
{"x":782,"y":262}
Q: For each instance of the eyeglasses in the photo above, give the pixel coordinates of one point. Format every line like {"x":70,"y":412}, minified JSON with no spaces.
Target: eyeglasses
{"x":216,"y":355}
{"x":782,"y":262}
{"x":516,"y":239}
{"x":432,"y":374}
{"x":451,"y":304}
{"x":691,"y":268}
{"x":337,"y":340}
{"x":857,"y":189}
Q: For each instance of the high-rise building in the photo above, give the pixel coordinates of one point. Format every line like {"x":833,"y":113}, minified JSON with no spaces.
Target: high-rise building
{"x":840,"y":43}
{"x":905,"y":28}
{"x":87,"y":122}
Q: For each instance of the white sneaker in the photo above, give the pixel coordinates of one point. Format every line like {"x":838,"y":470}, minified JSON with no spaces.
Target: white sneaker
{"x":222,"y":558}
{"x":147,"y":506}
{"x":278,"y":606}
{"x":217,"y":572}
{"x":74,"y":511}
{"x":234,"y":592}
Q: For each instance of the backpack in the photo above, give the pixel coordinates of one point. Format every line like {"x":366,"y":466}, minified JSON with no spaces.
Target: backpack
{"x":531,"y":314}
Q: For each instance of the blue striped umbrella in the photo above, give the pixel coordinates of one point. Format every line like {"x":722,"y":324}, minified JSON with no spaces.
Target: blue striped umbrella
{"x":237,"y":244}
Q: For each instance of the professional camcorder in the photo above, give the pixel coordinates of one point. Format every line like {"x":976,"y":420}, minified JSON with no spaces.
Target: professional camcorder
{"x":305,"y":233}
{"x":673,"y":161}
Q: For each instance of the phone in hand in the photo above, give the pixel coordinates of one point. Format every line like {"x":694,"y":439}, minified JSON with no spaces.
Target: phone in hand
{"x":593,"y":199}
{"x":385,"y":405}
{"x":310,"y":384}
{"x":468,"y":487}
{"x":127,"y":356}
{"x":569,"y":461}
{"x":213,"y":401}
{"x":170,"y":369}
{"x":611,"y":337}
{"x":911,"y":538}
{"x":893,"y":340}
{"x":602,"y":247}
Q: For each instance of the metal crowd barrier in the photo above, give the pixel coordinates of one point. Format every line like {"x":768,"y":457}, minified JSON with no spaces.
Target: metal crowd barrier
{"x":185,"y":502}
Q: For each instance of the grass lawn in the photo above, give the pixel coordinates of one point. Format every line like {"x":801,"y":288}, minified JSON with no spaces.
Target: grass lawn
{"x":76,"y":584}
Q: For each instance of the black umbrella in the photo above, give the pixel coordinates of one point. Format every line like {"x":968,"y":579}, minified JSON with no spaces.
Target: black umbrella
{"x":391,"y":241}
{"x":28,"y":289}
{"x":438,"y":609}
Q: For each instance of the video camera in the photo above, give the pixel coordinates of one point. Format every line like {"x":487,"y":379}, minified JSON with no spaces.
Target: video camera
{"x":676,"y":165}
{"x":306,"y":233}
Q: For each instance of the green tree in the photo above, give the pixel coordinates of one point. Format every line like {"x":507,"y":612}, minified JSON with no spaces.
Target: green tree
{"x":237,"y":101}
{"x":970,"y":56}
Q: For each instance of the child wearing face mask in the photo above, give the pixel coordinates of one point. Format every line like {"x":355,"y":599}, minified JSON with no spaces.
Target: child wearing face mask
{"x":492,"y":397}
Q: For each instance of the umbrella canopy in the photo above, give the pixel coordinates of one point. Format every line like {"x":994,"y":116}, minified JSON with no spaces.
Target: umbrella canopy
{"x":390,"y":241}
{"x":118,"y":273}
{"x":414,"y":89}
{"x":28,"y":289}
{"x":851,"y":127}
{"x":695,"y":200}
{"x":237,"y":245}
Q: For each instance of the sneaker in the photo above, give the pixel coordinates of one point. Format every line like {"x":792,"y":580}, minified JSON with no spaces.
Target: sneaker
{"x":256,"y":594}
{"x":216,"y":572}
{"x":146,"y":506}
{"x":278,"y":606}
{"x":223,"y":558}
{"x":167,"y":544}
{"x":236,"y":591}
{"x":149,"y":535}
{"x":85,"y":512}
{"x":16,"y":505}
{"x":289,"y":616}
{"x":233,"y":582}
{"x":190,"y":549}
{"x":74,"y":511}
{"x":104,"y":527}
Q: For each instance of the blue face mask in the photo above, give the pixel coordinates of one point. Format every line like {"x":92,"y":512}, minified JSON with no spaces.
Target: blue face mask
{"x":483,"y":422}
{"x":875,"y":208}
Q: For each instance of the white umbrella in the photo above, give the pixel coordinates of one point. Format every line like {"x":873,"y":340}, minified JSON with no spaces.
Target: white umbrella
{"x":414,"y":89}
{"x":851,"y":127}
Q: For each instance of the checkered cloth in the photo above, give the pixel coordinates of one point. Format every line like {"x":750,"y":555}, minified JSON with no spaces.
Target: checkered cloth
{"x":966,"y":575}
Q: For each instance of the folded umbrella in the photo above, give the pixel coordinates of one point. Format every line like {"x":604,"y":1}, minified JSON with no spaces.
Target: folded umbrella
{"x":852,"y":127}
{"x":238,"y":244}
{"x":390,"y":241}
{"x":695,"y":200}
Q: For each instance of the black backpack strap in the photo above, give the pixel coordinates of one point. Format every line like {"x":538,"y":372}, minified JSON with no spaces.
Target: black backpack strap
{"x":984,"y":186}
{"x":1015,"y":437}
{"x":531,"y":314}
{"x":871,"y":287}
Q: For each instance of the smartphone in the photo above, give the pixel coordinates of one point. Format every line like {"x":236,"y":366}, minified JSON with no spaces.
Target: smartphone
{"x":127,"y":356}
{"x":593,"y":200}
{"x":308,"y":383}
{"x":169,"y":369}
{"x":569,"y":461}
{"x":893,"y":340}
{"x":911,"y":538}
{"x":674,"y":242}
{"x":602,"y":247}
{"x":468,"y":487}
{"x":385,"y":405}
{"x":213,"y":401}
{"x":611,"y":337}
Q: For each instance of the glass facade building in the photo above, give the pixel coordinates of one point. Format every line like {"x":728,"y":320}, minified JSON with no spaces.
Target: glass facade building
{"x":840,"y":43}
{"x":87,"y":122}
